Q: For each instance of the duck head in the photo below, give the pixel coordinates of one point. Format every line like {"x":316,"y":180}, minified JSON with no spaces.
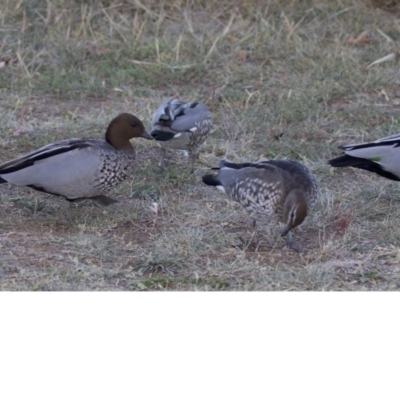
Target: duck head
{"x":123,"y":128}
{"x":294,"y":210}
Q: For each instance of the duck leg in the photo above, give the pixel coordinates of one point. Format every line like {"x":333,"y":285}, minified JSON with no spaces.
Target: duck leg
{"x":67,"y":213}
{"x":99,"y":201}
{"x":254,"y":237}
{"x":192,"y":160}
{"x":163,"y":152}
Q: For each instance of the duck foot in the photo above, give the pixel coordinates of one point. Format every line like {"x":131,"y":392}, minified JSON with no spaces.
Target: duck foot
{"x":253,"y":242}
{"x":102,"y":200}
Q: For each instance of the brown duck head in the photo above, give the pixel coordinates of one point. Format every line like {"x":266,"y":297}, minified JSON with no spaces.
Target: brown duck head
{"x":294,"y":210}
{"x":123,"y":128}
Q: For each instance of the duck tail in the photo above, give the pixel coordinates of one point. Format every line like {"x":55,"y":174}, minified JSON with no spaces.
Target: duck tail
{"x":362,"y":163}
{"x":162,"y":136}
{"x":211,"y":180}
{"x":348,"y":161}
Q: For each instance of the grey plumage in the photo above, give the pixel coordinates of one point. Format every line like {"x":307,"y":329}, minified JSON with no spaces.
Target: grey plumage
{"x":183,"y":126}
{"x":283,"y":187}
{"x":79,"y":168}
{"x":381,"y":157}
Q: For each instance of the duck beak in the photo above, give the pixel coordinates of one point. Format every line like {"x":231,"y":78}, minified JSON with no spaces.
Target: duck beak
{"x":146,"y":135}
{"x":285,"y":230}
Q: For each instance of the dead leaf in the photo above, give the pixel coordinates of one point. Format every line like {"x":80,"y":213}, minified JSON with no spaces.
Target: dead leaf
{"x":93,"y":49}
{"x":241,"y":55}
{"x":4,"y":61}
{"x":21,"y":130}
{"x":362,"y":38}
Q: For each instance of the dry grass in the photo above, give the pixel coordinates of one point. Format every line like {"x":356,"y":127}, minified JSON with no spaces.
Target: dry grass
{"x":282,"y":79}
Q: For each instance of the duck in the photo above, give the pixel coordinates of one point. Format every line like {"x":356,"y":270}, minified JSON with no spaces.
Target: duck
{"x":381,"y":157}
{"x":265,"y":188}
{"x":78,"y":169}
{"x":183,"y":126}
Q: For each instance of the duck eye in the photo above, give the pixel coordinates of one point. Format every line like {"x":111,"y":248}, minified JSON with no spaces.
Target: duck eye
{"x":133,"y":125}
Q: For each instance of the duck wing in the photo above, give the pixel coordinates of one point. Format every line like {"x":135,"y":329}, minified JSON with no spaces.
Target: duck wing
{"x":180,"y":116}
{"x":47,"y":151}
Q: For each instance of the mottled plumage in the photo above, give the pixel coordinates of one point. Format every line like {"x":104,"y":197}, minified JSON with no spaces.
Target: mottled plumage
{"x":183,"y":126}
{"x":283,"y":187}
{"x":79,"y":168}
{"x":381,"y":157}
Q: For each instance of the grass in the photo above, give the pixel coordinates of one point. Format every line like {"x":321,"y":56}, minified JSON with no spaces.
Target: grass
{"x":282,"y":81}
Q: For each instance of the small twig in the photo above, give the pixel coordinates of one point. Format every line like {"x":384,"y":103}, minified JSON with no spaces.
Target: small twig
{"x":163,"y":64}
